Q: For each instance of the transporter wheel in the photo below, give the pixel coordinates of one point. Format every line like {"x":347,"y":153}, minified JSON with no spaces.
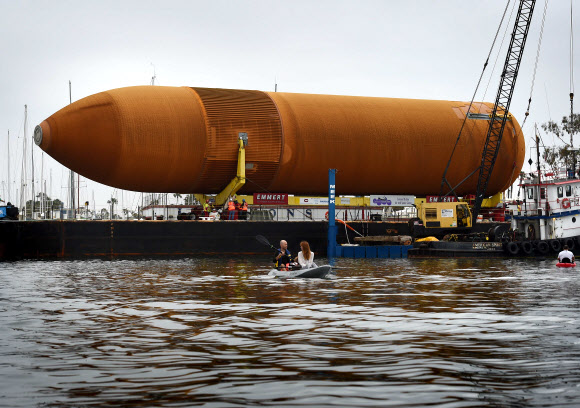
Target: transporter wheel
{"x":543,"y":248}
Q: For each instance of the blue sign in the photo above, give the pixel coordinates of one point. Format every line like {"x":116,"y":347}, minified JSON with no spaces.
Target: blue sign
{"x":2,"y":212}
{"x":331,"y":249}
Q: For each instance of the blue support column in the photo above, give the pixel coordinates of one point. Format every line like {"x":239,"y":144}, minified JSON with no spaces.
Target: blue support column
{"x":331,"y":249}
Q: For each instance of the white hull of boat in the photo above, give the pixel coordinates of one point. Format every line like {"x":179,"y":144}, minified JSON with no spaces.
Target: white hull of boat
{"x":316,"y":272}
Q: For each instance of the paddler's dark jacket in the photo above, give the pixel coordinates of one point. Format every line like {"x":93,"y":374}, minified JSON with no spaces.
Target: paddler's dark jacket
{"x":284,"y":259}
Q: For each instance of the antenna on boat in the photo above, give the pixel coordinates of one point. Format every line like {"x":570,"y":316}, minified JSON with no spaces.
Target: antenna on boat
{"x":538,"y":153}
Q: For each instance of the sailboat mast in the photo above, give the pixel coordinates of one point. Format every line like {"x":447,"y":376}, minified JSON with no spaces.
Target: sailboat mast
{"x":32,"y":163}
{"x":41,"y":183}
{"x":50,"y":191}
{"x":8,"y":161}
{"x":23,"y":173}
{"x":72,"y":173}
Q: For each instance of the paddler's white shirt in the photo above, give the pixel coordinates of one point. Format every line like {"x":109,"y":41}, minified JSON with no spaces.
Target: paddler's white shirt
{"x":307,"y":264}
{"x":565,"y":254}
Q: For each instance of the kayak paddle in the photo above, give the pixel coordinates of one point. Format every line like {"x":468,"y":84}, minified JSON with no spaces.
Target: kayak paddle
{"x":263,"y":240}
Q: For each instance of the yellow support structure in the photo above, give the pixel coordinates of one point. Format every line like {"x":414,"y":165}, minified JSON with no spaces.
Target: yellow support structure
{"x":240,"y":179}
{"x":492,"y":201}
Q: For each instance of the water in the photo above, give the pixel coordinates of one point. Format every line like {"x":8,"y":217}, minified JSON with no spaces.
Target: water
{"x":218,"y":332}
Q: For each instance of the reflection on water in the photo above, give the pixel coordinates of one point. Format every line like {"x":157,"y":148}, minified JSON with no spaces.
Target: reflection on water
{"x":221,"y":333}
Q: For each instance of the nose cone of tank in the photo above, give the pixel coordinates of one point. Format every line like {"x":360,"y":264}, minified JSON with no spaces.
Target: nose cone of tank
{"x":83,"y":135}
{"x":131,"y":138}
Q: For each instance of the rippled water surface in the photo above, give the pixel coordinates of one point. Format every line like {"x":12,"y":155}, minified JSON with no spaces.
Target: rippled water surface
{"x":218,"y":332}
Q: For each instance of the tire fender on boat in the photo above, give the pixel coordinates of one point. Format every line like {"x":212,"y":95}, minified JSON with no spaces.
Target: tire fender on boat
{"x":543,"y":248}
{"x":527,"y":247}
{"x":512,"y":248}
{"x":555,"y":245}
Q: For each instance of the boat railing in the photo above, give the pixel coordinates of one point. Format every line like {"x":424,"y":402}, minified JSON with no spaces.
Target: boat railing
{"x":549,"y":176}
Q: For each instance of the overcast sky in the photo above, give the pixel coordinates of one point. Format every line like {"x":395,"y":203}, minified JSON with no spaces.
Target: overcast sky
{"x":389,"y":48}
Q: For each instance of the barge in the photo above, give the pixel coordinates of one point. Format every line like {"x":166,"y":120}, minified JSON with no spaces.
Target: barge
{"x":65,"y":239}
{"x":74,"y":239}
{"x":540,"y":225}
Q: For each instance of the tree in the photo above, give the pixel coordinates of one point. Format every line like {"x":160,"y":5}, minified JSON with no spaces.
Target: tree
{"x":49,"y":205}
{"x":188,"y":199}
{"x":104,"y":214}
{"x":57,"y":204}
{"x":177,"y":197}
{"x":112,"y":202}
{"x":557,"y":157}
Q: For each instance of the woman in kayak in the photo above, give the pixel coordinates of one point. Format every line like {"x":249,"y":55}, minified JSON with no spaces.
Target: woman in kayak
{"x":306,"y":256}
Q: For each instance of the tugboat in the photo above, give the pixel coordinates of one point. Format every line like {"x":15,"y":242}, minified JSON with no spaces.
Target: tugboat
{"x":549,"y":216}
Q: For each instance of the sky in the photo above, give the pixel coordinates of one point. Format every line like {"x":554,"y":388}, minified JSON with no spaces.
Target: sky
{"x":419,"y":49}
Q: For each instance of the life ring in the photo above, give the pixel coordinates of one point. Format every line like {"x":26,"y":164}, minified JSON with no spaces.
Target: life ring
{"x":326,"y":216}
{"x":565,"y":203}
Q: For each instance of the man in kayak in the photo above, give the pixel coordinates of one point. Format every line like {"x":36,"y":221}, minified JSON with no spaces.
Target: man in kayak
{"x":283,"y":257}
{"x":566,"y":256}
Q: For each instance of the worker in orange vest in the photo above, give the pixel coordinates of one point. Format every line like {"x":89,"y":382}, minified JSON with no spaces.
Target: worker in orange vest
{"x":244,"y":210}
{"x":231,"y":209}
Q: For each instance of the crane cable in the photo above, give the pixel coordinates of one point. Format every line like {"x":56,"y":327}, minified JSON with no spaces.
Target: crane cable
{"x":571,"y":76}
{"x":507,"y":27}
{"x":474,"y":93}
{"x":536,"y":63}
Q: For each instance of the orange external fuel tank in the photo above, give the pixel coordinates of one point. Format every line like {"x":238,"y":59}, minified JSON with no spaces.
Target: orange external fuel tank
{"x":185,"y":140}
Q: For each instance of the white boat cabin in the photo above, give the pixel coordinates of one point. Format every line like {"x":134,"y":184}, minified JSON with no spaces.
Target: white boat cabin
{"x":550,"y":209}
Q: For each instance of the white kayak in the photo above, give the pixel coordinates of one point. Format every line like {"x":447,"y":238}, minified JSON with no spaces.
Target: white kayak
{"x":316,"y":272}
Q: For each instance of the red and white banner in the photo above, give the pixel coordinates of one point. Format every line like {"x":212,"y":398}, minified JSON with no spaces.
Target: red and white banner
{"x":269,"y":198}
{"x":435,"y":199}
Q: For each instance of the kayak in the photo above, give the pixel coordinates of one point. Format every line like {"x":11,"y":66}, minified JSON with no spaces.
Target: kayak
{"x":316,"y":272}
{"x":565,"y":265}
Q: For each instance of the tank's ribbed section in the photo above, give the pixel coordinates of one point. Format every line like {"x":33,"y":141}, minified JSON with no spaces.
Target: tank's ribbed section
{"x":229,"y":112}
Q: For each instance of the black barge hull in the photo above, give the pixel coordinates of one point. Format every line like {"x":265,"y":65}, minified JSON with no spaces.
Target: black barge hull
{"x":446,"y":249}
{"x":120,"y":238}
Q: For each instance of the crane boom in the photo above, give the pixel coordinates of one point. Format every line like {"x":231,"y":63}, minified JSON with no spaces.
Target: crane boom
{"x":503,"y":99}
